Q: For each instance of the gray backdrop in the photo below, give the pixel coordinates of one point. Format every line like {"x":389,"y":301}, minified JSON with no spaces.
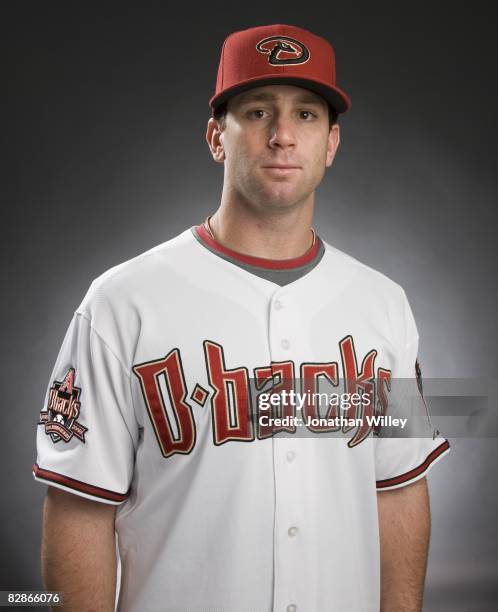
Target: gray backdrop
{"x":105,"y":122}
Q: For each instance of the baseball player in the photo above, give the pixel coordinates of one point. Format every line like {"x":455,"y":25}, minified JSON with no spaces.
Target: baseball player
{"x":153,"y":424}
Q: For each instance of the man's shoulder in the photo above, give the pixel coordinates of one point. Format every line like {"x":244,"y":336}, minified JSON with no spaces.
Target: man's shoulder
{"x":121,"y":282}
{"x":376,"y":295}
{"x":347,"y":266}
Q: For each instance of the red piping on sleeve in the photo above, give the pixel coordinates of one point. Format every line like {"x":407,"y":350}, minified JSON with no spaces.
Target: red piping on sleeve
{"x":390,"y":482}
{"x":78,"y":485}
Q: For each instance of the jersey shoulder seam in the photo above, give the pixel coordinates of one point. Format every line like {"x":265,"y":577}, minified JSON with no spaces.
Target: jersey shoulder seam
{"x":114,"y":271}
{"x":335,"y":251}
{"x":104,"y":343}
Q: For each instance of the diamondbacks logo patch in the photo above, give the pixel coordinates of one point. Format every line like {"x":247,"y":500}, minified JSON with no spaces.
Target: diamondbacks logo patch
{"x":63,"y":410}
{"x":283,"y":50}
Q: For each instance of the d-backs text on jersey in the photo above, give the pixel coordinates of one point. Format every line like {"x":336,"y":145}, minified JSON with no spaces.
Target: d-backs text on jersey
{"x":232,"y":415}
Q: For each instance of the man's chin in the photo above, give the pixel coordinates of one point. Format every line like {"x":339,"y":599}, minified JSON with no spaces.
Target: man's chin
{"x":282,"y":200}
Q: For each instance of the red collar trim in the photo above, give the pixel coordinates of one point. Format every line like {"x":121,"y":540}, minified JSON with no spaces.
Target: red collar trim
{"x":261,"y":262}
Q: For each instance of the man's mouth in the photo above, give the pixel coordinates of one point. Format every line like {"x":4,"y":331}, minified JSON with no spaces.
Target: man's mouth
{"x":282,"y":166}
{"x":281,"y":169}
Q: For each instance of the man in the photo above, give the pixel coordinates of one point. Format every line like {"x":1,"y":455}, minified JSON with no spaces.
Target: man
{"x":155,"y":405}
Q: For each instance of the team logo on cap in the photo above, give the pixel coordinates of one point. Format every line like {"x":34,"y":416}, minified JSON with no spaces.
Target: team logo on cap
{"x":63,"y":408}
{"x":283,"y":50}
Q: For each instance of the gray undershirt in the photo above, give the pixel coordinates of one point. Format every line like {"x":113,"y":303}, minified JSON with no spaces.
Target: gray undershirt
{"x":278,"y":276}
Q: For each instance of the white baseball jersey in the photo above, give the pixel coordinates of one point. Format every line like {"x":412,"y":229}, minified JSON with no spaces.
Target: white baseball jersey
{"x":150,"y":407}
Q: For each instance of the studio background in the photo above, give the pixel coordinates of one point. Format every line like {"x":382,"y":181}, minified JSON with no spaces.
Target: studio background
{"x":105,"y":123}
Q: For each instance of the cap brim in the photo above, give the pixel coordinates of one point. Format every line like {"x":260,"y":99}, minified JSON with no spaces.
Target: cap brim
{"x":333,"y":95}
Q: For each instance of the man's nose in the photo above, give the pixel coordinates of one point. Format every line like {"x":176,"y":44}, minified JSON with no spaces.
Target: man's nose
{"x":281,"y":132}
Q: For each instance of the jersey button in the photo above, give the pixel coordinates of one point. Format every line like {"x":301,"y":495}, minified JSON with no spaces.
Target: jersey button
{"x":278,"y":305}
{"x":285,"y":344}
{"x":291,"y":455}
{"x":292,"y":531}
{"x":291,"y":608}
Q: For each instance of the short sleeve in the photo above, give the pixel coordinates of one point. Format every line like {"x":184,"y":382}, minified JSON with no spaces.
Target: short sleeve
{"x":400,"y":461}
{"x":86,"y":432}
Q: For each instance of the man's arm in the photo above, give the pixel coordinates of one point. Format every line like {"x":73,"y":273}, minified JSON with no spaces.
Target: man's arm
{"x":404,"y":523}
{"x":79,"y":551}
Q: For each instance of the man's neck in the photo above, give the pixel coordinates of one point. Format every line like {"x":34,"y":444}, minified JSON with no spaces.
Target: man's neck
{"x":281,"y":235}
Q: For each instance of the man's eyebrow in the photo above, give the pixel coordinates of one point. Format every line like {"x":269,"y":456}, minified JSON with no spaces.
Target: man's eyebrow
{"x":257,"y":97}
{"x":309,"y":99}
{"x":268,"y":97}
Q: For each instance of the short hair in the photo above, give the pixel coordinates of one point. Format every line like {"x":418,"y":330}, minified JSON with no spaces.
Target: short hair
{"x":220,"y":112}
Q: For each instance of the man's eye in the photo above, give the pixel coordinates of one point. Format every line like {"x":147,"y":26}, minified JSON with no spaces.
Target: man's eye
{"x":308,"y":114}
{"x":257,"y":113}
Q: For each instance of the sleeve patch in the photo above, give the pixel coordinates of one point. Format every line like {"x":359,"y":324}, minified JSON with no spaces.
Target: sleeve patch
{"x":60,"y":417}
{"x":418,"y":374}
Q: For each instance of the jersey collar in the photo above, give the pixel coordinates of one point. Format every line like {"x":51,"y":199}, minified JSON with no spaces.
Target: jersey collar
{"x":261,"y":262}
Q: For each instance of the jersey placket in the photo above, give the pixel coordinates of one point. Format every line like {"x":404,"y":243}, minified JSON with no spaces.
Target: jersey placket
{"x":289,"y":521}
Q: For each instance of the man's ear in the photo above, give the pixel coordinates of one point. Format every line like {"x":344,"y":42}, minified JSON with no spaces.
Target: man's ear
{"x":213,"y":138}
{"x":334,"y":139}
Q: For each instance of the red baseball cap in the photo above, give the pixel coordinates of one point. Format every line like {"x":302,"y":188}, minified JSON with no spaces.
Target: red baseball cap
{"x":277,"y":55}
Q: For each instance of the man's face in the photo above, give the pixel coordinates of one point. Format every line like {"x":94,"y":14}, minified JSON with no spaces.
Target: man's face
{"x":277,"y":142}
